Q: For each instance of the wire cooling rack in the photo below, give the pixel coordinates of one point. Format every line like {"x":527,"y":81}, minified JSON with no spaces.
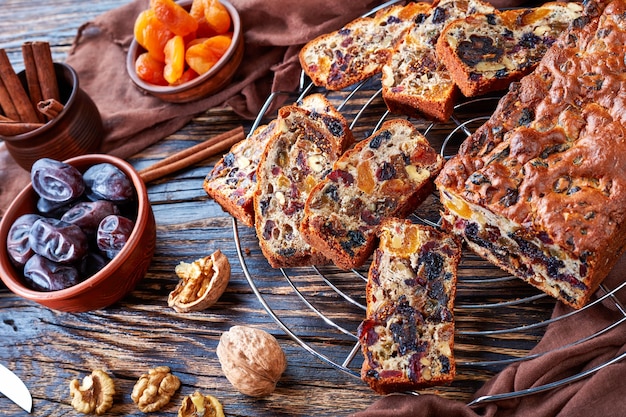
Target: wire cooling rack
{"x":498,"y":318}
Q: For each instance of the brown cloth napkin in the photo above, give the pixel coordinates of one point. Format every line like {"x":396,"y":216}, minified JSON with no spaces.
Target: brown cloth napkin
{"x":274,"y":31}
{"x":601,"y":394}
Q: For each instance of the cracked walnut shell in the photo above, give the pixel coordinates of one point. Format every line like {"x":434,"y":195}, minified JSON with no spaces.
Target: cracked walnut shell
{"x":198,"y":405}
{"x":95,"y":395}
{"x":251,"y":359}
{"x":155,"y":389}
{"x":202,"y":283}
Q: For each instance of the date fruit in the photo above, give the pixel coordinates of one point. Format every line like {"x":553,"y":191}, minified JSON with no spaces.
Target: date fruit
{"x":88,"y":215}
{"x":44,"y":275}
{"x":57,"y":240}
{"x":18,"y":245}
{"x":106,"y":181}
{"x":56,"y":181}
{"x":113,"y":233}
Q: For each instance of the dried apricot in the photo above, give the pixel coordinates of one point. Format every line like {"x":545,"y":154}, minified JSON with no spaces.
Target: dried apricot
{"x":174,"y":16}
{"x":149,"y":69}
{"x":174,"y":59}
{"x":217,"y":16}
{"x":152,"y":34}
{"x":203,"y":56}
{"x":197,"y":9}
{"x":187,"y":76}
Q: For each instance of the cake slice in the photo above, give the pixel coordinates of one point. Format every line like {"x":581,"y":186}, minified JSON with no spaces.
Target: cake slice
{"x":486,"y":52}
{"x":232,"y":181}
{"x":407,"y":337}
{"x":414,"y":80}
{"x":540,"y":189}
{"x":357,"y":51}
{"x":387,"y":174}
{"x":299,"y":154}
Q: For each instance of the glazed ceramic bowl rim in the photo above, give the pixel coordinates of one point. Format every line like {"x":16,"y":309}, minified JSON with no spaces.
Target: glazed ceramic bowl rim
{"x":164,"y":89}
{"x":48,"y":125}
{"x":14,"y":281}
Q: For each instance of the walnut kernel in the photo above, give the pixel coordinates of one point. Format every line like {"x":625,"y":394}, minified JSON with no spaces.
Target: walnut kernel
{"x":198,"y":405}
{"x":95,"y":395}
{"x":202,"y":283}
{"x":155,"y":389}
{"x":251,"y":359}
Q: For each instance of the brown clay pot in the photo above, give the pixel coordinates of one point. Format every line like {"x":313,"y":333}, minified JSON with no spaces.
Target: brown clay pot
{"x":77,"y":130}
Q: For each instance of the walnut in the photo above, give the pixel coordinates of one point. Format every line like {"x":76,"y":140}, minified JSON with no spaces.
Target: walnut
{"x":198,"y":405}
{"x":95,"y":395}
{"x":155,"y":389}
{"x":202,"y":283}
{"x":251,"y":359}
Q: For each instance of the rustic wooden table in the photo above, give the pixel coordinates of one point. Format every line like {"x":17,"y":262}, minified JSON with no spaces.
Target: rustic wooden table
{"x":48,"y":349}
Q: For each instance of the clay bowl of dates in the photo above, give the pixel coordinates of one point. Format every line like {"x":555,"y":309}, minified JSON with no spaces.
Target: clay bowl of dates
{"x":80,"y":236}
{"x":185,"y":51}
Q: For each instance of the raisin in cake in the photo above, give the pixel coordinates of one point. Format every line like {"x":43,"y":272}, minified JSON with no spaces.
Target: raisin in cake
{"x":540,"y":188}
{"x":387,"y":174}
{"x":486,"y":52}
{"x":299,"y":154}
{"x":407,"y":337}
{"x":414,"y":80}
{"x":232,"y":181}
{"x":357,"y":51}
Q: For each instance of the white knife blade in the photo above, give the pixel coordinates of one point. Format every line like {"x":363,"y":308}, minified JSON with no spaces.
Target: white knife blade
{"x":14,"y":389}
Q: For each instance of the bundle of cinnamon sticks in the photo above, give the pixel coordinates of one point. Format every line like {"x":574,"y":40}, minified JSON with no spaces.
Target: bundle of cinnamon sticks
{"x":25,"y":109}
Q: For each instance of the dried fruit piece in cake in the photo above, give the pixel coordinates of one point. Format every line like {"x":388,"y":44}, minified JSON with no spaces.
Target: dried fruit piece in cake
{"x":539,"y":190}
{"x":232,"y":181}
{"x":357,"y":51}
{"x":407,"y":337}
{"x":414,"y":80}
{"x":485,"y":53}
{"x":299,"y":155}
{"x":387,"y":174}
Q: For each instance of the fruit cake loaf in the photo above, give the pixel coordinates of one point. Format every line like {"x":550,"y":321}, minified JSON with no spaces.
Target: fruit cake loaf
{"x":414,"y":80}
{"x":299,"y":154}
{"x":486,"y":52}
{"x":387,"y":174}
{"x":407,"y":337}
{"x":357,"y":51}
{"x":232,"y":181}
{"x":540,"y":189}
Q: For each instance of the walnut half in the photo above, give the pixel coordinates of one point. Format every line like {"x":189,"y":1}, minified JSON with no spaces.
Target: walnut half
{"x":251,"y":359}
{"x":95,"y":395}
{"x":155,"y":389}
{"x":202,"y":283}
{"x":198,"y":405}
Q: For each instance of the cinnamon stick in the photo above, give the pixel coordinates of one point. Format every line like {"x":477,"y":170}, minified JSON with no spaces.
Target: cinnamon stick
{"x":50,"y":108}
{"x":16,"y":91}
{"x":17,"y":128}
{"x":45,"y":71}
{"x":32,"y":79}
{"x":6,"y":103}
{"x":193,"y":155}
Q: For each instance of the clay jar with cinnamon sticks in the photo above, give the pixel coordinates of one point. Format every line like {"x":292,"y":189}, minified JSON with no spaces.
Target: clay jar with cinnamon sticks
{"x":70,"y":125}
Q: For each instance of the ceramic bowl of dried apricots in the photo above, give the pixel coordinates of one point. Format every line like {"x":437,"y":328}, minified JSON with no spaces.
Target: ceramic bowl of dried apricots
{"x":184,"y":51}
